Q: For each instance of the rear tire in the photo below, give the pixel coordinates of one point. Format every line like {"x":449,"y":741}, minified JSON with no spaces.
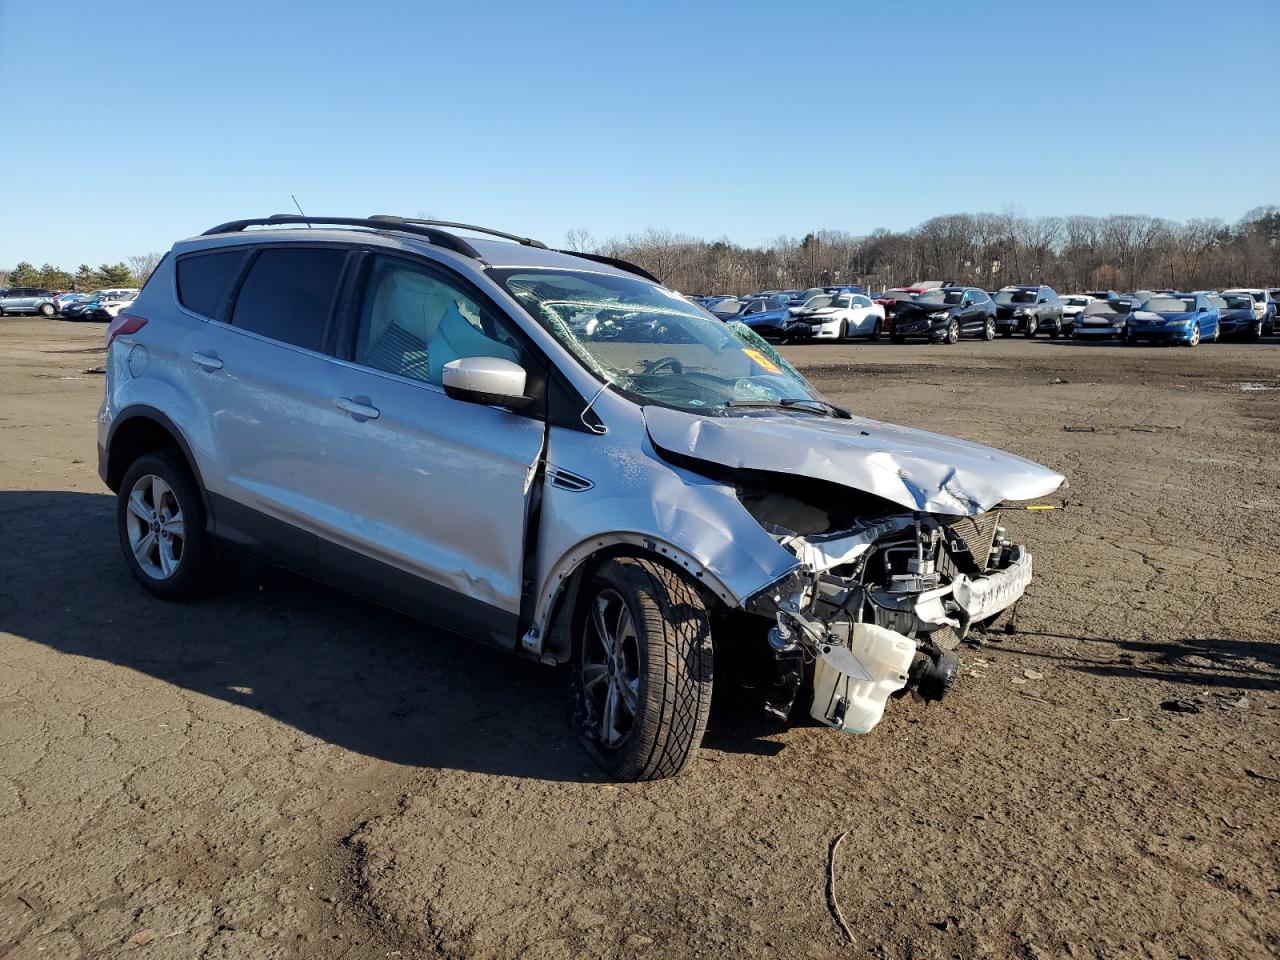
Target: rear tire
{"x":876,"y":331}
{"x":161,"y":521}
{"x":989,"y":330}
{"x":642,"y":669}
{"x":47,"y":310}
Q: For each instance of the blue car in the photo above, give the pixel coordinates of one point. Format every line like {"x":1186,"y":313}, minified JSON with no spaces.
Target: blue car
{"x":772,"y":319}
{"x":1238,"y":316}
{"x":1185,"y":318}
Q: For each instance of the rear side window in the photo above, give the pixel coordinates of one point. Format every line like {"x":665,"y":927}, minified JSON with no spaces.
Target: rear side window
{"x":203,"y":280}
{"x":288,"y":295}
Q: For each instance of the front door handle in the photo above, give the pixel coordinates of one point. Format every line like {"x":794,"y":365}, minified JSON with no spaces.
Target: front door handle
{"x":206,"y":360}
{"x":358,"y":407}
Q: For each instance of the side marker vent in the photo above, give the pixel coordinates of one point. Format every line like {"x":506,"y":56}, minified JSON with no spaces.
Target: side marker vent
{"x":567,"y":480}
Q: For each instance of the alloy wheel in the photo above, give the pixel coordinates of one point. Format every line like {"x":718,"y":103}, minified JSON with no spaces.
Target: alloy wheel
{"x":1195,"y":335}
{"x":156,"y":530}
{"x":611,"y":669}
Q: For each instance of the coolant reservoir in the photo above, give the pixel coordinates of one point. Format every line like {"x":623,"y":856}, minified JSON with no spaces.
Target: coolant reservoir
{"x":851,"y":685}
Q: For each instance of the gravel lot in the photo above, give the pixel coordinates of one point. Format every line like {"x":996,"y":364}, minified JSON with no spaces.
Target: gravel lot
{"x":281,"y":771}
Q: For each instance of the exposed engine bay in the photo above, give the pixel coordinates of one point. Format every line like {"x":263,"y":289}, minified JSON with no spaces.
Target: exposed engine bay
{"x":881,"y":599}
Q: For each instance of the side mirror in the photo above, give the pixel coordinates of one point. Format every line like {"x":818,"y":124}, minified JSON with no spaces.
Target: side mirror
{"x":492,"y":381}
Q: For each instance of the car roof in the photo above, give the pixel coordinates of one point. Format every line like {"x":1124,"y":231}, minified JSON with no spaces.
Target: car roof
{"x":493,"y":253}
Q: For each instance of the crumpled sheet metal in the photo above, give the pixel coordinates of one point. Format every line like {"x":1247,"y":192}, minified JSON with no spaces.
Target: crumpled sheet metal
{"x":913,"y":468}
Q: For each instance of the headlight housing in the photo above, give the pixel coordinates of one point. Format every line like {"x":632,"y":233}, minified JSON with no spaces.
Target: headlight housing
{"x":939,"y":315}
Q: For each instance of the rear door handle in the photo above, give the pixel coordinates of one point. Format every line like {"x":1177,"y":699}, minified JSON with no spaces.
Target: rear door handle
{"x":357,"y":407}
{"x":206,"y":360}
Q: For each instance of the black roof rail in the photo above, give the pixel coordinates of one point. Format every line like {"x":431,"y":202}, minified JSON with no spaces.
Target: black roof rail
{"x":626,"y":265}
{"x":524,"y":241}
{"x":439,"y":237}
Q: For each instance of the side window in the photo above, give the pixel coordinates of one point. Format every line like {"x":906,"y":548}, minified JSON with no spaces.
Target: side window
{"x":288,"y":294}
{"x":755,"y":306}
{"x":203,"y":280}
{"x":413,"y":321}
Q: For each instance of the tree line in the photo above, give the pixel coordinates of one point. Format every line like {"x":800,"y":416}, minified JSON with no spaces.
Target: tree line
{"x":1075,"y":253}
{"x":130,"y":272}
{"x":1119,"y":252}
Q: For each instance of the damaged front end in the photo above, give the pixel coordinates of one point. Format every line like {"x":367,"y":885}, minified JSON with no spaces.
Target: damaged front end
{"x":879,"y":602}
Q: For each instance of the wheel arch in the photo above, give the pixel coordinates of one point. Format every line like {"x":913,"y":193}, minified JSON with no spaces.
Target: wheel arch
{"x":138,"y":430}
{"x":550,"y":634}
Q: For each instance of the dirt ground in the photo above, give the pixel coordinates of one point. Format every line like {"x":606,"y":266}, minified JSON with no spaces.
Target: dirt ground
{"x":282,"y":771}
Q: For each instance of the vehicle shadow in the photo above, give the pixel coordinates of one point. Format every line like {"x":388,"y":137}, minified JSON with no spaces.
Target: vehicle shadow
{"x":1195,"y":661}
{"x":332,"y":666}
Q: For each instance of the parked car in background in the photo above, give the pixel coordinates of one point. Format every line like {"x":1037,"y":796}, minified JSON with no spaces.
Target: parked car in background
{"x":81,"y":309}
{"x":67,"y":300}
{"x":1185,"y":318}
{"x":943,"y":314}
{"x":799,"y":305}
{"x":108,"y":304}
{"x":1237,"y":315}
{"x":1028,"y":309}
{"x":1102,"y":294}
{"x":844,"y":315}
{"x":1101,"y":319}
{"x":771,"y":318}
{"x":37,"y":301}
{"x":1263,"y":307}
{"x":725,"y":307}
{"x":1072,"y":305}
{"x":803,"y":298}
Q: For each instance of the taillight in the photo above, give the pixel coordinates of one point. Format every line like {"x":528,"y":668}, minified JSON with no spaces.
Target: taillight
{"x":124,"y":323}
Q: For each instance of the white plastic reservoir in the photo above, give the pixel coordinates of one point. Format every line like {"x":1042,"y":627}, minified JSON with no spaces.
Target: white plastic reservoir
{"x":884,"y":658}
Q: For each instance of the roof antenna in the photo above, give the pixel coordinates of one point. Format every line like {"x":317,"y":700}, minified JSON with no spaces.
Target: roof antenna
{"x":299,"y":206}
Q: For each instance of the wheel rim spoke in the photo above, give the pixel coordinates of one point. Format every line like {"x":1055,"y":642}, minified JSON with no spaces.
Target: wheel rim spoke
{"x":630,"y":692}
{"x":142,"y":549}
{"x":609,"y":715}
{"x":593,"y":674}
{"x":602,"y":628}
{"x":139,"y":507}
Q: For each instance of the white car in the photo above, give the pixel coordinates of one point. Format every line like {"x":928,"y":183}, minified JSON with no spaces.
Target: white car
{"x":844,"y":315}
{"x":117,"y":300}
{"x":1072,"y":306}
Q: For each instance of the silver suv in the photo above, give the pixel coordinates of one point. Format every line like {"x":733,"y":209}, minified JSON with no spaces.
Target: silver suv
{"x":555,"y":454}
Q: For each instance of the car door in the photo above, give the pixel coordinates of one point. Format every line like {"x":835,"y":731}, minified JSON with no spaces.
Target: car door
{"x":427,"y":496}
{"x":262,"y":376}
{"x":860,"y":319}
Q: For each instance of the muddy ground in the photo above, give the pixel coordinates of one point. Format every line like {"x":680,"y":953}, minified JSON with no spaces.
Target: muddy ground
{"x":282,"y":771}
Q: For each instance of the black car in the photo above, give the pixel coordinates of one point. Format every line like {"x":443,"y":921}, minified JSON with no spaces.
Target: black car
{"x":944,"y":314}
{"x":1028,"y":309}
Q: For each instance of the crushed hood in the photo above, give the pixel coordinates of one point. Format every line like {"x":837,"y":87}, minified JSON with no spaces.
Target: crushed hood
{"x":913,"y":468}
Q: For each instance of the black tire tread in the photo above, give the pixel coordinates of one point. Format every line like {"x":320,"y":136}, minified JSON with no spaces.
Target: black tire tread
{"x":676,"y":688}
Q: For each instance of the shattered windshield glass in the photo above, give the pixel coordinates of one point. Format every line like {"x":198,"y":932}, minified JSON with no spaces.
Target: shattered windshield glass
{"x":655,"y":346}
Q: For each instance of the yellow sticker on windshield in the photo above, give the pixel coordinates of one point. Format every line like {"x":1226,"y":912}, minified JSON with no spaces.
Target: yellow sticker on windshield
{"x":761,"y":359}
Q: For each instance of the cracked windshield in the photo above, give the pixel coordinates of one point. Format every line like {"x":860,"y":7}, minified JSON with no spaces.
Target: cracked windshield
{"x":657,"y":347}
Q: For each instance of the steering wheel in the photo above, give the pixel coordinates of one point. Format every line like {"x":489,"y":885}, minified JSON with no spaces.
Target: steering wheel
{"x":676,"y":366}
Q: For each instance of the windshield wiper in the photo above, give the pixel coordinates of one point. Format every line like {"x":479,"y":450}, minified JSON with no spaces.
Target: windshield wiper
{"x":787,"y":403}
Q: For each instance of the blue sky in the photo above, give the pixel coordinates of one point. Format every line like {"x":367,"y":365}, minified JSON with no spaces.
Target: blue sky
{"x":132,"y":124}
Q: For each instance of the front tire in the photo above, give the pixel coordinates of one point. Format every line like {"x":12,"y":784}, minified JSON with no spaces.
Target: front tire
{"x":844,"y":330}
{"x":1194,"y":339}
{"x":953,"y":332}
{"x":643,"y":669}
{"x":1033,"y":327}
{"x":161,"y":520}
